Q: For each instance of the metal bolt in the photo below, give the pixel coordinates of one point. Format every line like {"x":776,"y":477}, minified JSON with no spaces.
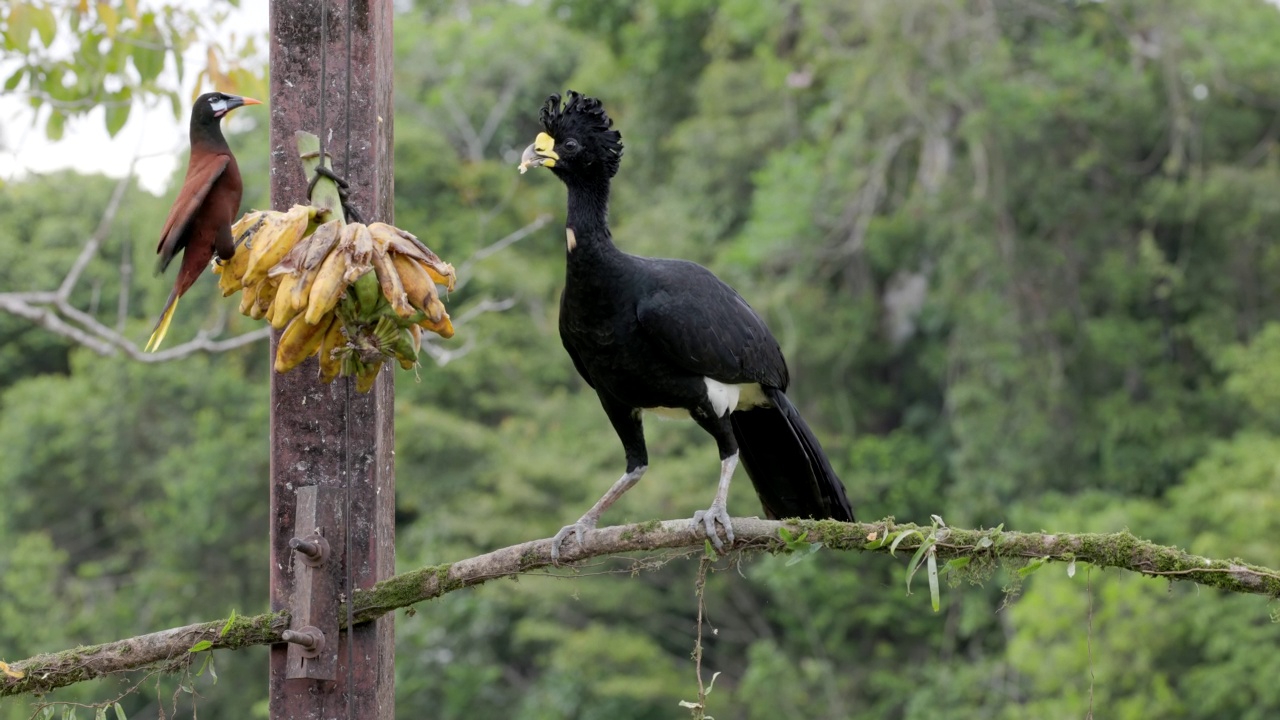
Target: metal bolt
{"x":309,"y":638}
{"x":314,"y":549}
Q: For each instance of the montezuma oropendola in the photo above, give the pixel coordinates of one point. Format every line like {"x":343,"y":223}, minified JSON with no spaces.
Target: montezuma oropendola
{"x":668,"y":336}
{"x":199,"y":223}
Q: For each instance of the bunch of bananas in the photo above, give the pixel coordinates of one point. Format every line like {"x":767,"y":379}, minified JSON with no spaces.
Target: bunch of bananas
{"x":357,"y":294}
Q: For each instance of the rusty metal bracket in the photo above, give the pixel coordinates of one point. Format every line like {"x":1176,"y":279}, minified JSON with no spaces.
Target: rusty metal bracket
{"x":313,"y":600}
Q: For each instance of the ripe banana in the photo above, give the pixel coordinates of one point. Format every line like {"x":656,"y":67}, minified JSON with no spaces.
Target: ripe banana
{"x":389,"y":277}
{"x":405,"y":243}
{"x":248,"y":299}
{"x":330,"y":361}
{"x":232,"y":272}
{"x":318,"y":246}
{"x":298,"y":282}
{"x":328,"y":287}
{"x":282,"y":310}
{"x":248,"y":224}
{"x":418,"y":285}
{"x":300,"y":340}
{"x":361,"y":244}
{"x":275,"y":239}
{"x":266,"y":295}
{"x":443,"y":328}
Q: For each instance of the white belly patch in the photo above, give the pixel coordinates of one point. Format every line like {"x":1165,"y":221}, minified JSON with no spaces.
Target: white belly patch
{"x":724,"y":399}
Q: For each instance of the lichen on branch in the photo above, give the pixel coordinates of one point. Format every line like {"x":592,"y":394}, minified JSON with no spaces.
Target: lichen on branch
{"x":169,"y":649}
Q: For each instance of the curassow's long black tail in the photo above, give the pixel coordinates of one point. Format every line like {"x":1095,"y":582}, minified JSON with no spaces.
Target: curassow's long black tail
{"x":786,"y":464}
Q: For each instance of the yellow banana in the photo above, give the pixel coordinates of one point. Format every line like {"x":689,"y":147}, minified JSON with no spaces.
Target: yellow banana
{"x":416,"y":332}
{"x":318,"y":246}
{"x":248,"y":224}
{"x":330,"y":363}
{"x":282,"y":310}
{"x":418,"y":285}
{"x":443,"y":328}
{"x":361,"y":253}
{"x":248,"y":299}
{"x":405,"y":243}
{"x":280,"y":234}
{"x":233,"y":272}
{"x":266,"y":295}
{"x":329,"y":285}
{"x":389,"y":279}
{"x":299,"y":341}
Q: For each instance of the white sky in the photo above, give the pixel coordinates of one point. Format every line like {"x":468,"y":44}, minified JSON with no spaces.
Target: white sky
{"x":152,"y":133}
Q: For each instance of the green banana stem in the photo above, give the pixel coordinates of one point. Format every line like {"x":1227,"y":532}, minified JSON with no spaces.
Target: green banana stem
{"x":325,"y":194}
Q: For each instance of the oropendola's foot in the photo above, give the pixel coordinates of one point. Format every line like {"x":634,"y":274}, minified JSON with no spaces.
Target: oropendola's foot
{"x":585,"y":523}
{"x":708,"y":519}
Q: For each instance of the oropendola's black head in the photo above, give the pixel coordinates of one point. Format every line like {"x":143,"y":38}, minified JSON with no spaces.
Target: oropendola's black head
{"x":210,"y":108}
{"x":577,"y":142}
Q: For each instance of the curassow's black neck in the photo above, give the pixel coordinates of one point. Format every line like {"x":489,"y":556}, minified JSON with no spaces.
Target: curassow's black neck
{"x":588,"y":216}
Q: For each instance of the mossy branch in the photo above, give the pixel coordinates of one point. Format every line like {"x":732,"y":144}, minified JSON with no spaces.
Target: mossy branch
{"x":169,"y":649}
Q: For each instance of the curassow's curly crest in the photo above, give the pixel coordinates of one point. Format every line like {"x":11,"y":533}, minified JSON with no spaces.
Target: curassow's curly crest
{"x":584,"y":119}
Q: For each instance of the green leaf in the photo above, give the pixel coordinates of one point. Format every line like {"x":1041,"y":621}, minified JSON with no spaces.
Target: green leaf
{"x":985,"y":542}
{"x":20,"y":26}
{"x":118,"y":115}
{"x":1032,"y":566}
{"x":801,"y":555}
{"x":120,"y":712}
{"x":925,"y":548}
{"x":46,"y":25}
{"x":149,"y":52}
{"x":955,"y":564}
{"x":902,"y":535}
{"x":934,"y":595}
{"x":100,"y":713}
{"x":785,"y":534}
{"x":201,"y":646}
{"x":230,"y":620}
{"x":54,"y":128}
{"x":204,"y":664}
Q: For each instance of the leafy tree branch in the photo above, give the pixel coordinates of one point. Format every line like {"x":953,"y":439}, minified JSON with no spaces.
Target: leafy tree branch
{"x":172,"y":649}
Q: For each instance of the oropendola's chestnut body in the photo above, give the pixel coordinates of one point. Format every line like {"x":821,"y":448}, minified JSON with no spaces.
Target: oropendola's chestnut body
{"x":199,"y":223}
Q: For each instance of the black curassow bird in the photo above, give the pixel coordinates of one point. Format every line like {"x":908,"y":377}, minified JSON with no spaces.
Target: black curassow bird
{"x":199,"y":223}
{"x":669,"y":336}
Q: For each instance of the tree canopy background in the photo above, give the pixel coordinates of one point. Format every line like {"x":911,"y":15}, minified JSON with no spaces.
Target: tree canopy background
{"x":1020,"y":258}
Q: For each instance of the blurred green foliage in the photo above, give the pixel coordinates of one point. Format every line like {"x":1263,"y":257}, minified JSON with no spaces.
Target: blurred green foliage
{"x":1021,"y":258}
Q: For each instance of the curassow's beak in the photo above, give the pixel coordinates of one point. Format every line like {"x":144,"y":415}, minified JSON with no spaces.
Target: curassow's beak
{"x":539,"y":154}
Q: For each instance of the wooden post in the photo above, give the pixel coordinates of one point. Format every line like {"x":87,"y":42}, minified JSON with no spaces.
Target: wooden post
{"x":317,"y":430}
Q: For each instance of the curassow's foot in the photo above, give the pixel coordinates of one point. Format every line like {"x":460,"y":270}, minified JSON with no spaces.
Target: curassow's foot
{"x":585,"y":523}
{"x":708,"y":519}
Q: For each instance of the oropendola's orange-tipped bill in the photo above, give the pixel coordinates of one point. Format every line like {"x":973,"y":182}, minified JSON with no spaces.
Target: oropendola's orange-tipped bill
{"x":199,"y":223}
